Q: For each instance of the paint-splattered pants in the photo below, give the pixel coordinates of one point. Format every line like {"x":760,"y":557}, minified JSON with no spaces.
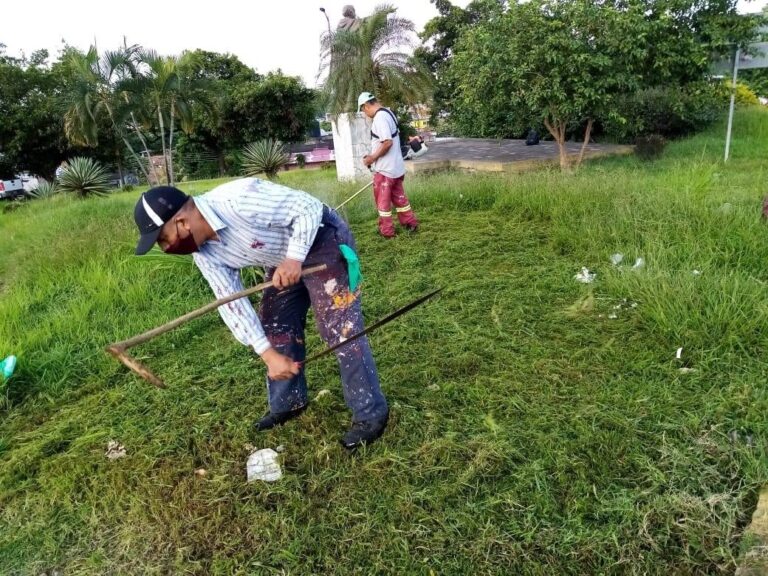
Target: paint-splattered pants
{"x":388,"y":192}
{"x":338,"y":314}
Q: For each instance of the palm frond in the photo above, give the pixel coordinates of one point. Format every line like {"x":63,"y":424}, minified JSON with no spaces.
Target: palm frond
{"x":375,"y":58}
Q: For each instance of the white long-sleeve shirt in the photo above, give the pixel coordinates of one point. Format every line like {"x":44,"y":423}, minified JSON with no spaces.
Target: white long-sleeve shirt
{"x":259,"y":223}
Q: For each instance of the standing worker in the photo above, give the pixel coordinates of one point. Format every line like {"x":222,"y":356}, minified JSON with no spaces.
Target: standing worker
{"x":252,"y":222}
{"x":387,"y":161}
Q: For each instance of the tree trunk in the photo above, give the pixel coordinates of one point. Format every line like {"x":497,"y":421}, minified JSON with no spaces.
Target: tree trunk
{"x":172,"y":180}
{"x":119,"y":166}
{"x":587,"y":133}
{"x":119,"y":132}
{"x":162,"y":139}
{"x":557,"y":129}
{"x":143,"y":143}
{"x":136,"y":157}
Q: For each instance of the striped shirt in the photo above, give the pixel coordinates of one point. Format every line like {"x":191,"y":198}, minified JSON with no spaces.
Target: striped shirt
{"x":259,"y":223}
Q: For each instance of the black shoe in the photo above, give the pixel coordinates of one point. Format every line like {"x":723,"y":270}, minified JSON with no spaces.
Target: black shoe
{"x":412,"y":229}
{"x":364,"y":432}
{"x":272,"y":419}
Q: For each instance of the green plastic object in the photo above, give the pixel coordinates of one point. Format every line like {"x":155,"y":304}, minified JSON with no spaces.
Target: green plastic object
{"x":8,"y":366}
{"x":353,"y":267}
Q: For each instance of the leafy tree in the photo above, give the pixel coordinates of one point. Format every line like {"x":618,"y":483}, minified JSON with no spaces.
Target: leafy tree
{"x":683,"y":36}
{"x":567,"y":64}
{"x":373,"y":58}
{"x":31,"y":131}
{"x":757,"y":79}
{"x":242,"y":107}
{"x":216,"y":125}
{"x":278,"y":107}
{"x":213,"y":66}
{"x":439,"y":38}
{"x":550,"y":62}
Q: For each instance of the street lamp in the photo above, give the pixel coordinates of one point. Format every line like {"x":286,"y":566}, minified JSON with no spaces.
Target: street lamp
{"x":326,"y":19}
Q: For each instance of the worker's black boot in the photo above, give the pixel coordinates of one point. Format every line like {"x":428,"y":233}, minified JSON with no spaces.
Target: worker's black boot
{"x":272,"y":419}
{"x":364,"y":432}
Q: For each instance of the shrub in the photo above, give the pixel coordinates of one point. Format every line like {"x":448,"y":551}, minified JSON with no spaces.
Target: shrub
{"x":44,"y":189}
{"x":650,"y":147}
{"x":264,"y":156}
{"x":85,"y":177}
{"x":668,"y":111}
{"x":12,"y":206}
{"x":233,"y":159}
{"x":744,"y":95}
{"x":301,"y":160}
{"x":194,"y":160}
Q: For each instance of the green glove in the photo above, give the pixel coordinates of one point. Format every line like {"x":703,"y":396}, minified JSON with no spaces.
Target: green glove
{"x":353,"y":266}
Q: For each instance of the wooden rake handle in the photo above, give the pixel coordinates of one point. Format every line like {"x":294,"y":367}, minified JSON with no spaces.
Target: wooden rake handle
{"x":118,"y":349}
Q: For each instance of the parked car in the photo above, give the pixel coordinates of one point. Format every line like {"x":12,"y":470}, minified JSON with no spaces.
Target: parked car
{"x":10,"y":189}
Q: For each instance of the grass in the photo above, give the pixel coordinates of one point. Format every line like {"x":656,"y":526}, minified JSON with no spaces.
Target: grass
{"x":531,"y":433}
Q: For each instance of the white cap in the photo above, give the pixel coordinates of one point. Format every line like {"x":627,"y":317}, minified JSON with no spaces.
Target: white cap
{"x":363,"y":98}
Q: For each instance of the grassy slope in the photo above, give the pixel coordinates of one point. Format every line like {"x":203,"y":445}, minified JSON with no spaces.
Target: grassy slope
{"x":530,"y":432}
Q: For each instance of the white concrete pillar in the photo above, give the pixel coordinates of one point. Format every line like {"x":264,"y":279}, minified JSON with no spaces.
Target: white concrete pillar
{"x":351,"y":141}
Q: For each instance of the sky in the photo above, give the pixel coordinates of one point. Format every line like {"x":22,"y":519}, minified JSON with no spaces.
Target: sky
{"x":264,"y":34}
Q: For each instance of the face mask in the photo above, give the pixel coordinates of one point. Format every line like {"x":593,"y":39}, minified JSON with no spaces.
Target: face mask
{"x":185,"y":245}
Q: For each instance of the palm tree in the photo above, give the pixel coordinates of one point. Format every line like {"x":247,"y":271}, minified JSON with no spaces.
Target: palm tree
{"x":98,"y":95}
{"x":166,"y":94}
{"x":373,"y":58}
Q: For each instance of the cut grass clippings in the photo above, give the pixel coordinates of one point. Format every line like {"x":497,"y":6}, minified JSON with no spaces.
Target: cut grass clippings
{"x":531,"y":432}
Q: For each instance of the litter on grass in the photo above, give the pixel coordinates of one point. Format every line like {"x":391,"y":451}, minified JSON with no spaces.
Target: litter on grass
{"x":742,"y":435}
{"x":618,"y":258}
{"x":624,"y":304}
{"x":7,"y":367}
{"x":585,"y":276}
{"x":263,"y":465}
{"x":115,"y":450}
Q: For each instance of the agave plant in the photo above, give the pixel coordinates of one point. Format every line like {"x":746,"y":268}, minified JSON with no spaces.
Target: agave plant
{"x":85,"y":177}
{"x":44,"y":189}
{"x":264,"y":157}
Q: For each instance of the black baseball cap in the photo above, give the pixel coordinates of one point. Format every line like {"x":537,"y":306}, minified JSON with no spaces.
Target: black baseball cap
{"x":156,"y":207}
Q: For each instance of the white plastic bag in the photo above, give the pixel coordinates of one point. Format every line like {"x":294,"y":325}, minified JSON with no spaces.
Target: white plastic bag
{"x":263,"y":465}
{"x":585,"y":276}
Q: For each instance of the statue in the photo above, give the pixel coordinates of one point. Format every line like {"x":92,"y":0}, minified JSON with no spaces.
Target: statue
{"x":350,"y":22}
